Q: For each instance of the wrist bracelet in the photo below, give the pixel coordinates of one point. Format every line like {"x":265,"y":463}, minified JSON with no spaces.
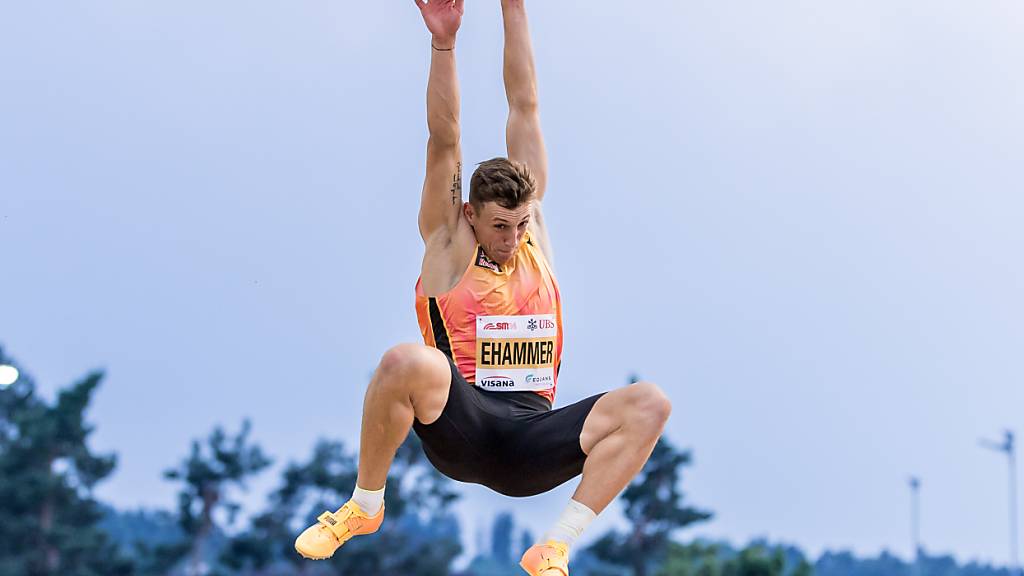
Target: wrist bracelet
{"x":441,"y":49}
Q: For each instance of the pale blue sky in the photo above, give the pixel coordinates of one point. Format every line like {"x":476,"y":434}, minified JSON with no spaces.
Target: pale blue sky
{"x":801,"y":218}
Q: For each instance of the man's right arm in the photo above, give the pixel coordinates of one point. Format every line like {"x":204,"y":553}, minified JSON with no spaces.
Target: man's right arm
{"x":442,"y":187}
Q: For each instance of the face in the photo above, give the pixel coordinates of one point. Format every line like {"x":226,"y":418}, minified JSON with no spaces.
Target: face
{"x":499,"y":230}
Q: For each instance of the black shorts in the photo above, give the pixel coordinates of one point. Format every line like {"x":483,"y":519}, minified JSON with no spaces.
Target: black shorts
{"x":511,"y":442}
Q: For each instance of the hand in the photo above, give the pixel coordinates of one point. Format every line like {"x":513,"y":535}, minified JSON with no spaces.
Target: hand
{"x":442,"y":17}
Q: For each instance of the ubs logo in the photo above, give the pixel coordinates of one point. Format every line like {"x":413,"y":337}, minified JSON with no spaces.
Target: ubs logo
{"x":497,"y":382}
{"x":540,"y":324}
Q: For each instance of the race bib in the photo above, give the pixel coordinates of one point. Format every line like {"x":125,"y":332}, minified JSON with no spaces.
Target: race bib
{"x":516,"y":353}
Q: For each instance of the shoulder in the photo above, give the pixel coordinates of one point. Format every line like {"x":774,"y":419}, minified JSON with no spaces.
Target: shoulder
{"x":446,"y":256}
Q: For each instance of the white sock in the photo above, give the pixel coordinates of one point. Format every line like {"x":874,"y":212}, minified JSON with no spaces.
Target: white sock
{"x":369,"y":500}
{"x":571,"y":524}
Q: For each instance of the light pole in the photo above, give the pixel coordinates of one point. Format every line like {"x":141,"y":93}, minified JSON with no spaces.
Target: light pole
{"x":915,"y":525}
{"x":1007,"y":446}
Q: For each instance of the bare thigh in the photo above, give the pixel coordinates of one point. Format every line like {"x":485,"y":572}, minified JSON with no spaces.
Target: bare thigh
{"x":635,"y":403}
{"x":420,"y":372}
{"x":602,"y":420}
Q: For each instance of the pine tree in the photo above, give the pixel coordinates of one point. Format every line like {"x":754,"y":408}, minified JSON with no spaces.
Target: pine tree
{"x":501,"y":538}
{"x":419,"y":537}
{"x":654,"y":509}
{"x":48,"y":516}
{"x":208,"y":476}
{"x":526,"y":540}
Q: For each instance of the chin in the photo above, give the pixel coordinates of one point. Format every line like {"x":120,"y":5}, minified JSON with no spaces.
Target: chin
{"x":505,"y":258}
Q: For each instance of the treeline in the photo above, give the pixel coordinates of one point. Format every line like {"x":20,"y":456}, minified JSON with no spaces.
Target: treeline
{"x":710,"y":558}
{"x":51,"y":523}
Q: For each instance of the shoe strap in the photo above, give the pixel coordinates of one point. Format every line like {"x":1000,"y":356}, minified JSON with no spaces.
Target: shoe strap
{"x":336,"y":523}
{"x":549,"y":564}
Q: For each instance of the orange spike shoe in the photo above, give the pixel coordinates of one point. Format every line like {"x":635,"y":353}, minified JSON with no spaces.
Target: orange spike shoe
{"x":548,"y":559}
{"x":332,"y":529}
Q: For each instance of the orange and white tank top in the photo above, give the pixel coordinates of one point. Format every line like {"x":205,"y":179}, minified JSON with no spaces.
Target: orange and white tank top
{"x":501,"y":324}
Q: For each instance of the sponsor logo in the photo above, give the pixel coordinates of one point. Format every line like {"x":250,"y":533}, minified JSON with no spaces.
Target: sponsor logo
{"x":532,"y":379}
{"x":500,"y":326}
{"x":543,"y":324}
{"x":497,"y":382}
{"x":484,"y":262}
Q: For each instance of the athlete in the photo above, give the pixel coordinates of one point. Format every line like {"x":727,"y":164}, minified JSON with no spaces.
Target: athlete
{"x":479,"y":394}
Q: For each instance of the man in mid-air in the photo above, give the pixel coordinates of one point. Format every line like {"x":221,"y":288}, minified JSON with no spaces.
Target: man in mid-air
{"x":479,"y":394}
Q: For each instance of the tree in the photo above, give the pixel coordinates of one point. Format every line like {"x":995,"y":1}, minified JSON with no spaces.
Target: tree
{"x":48,"y":516}
{"x":654,"y":509}
{"x":526,"y":540}
{"x":501,"y":538}
{"x":208,"y":475}
{"x":499,"y":560}
{"x":845,"y":563}
{"x":268,"y":541}
{"x":693,"y":559}
{"x":419,"y":537}
{"x":757,"y":559}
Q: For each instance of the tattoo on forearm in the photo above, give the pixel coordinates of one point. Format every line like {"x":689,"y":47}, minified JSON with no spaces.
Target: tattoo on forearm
{"x":457,"y":185}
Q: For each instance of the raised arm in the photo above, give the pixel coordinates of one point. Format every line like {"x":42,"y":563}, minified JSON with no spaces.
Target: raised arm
{"x":522,"y":133}
{"x":442,"y":187}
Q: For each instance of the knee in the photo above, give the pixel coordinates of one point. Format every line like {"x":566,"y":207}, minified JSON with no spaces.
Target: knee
{"x":411,"y":369}
{"x":650,"y":404}
{"x":399,"y":363}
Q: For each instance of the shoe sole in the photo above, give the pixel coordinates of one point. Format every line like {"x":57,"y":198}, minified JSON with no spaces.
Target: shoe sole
{"x":550,"y":571}
{"x":312,"y":556}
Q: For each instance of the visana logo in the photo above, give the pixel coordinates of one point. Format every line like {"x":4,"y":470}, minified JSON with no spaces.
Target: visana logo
{"x":497,"y":382}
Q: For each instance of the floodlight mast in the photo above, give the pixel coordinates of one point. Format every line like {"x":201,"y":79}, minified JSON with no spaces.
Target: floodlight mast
{"x":1007,"y":446}
{"x":915,"y":521}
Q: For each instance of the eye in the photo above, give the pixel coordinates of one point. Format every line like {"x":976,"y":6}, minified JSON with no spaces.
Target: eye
{"x":523,"y":224}
{"x":500,"y":226}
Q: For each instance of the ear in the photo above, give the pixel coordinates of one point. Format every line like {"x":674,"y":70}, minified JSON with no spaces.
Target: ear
{"x":470,"y":214}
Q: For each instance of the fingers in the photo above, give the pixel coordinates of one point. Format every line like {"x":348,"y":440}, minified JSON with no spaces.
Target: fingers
{"x":421,"y":4}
